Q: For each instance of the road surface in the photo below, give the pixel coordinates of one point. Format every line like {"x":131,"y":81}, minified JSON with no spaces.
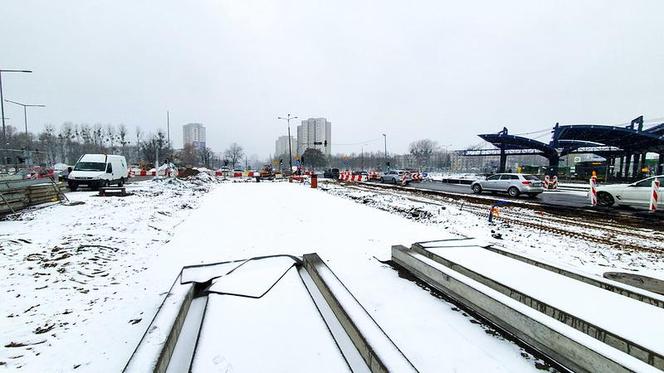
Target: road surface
{"x":558,"y":198}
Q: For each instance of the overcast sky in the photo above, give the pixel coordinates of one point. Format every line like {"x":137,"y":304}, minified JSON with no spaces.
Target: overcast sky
{"x":444,"y":70}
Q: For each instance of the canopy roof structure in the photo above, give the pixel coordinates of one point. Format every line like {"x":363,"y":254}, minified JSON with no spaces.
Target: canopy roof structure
{"x":504,"y":141}
{"x":626,"y":138}
{"x":607,"y":141}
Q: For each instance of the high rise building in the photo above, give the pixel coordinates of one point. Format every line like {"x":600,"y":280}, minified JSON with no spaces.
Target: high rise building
{"x":314,"y":133}
{"x":281,"y":146}
{"x":194,"y":134}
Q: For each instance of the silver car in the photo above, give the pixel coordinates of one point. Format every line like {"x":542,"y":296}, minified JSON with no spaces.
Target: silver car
{"x":512,"y":184}
{"x":392,"y":176}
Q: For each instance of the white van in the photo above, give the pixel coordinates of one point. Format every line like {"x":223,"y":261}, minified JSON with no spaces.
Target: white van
{"x":98,"y":170}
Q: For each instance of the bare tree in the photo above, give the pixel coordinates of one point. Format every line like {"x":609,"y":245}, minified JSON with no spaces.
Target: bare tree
{"x":188,"y":156}
{"x":422,"y":150}
{"x":122,"y":136}
{"x":234,"y":153}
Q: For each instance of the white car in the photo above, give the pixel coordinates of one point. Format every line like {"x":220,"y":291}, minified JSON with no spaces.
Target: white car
{"x":635,"y":195}
{"x":98,"y":170}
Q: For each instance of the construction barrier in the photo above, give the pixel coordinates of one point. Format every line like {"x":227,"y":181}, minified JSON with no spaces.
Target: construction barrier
{"x":348,"y":176}
{"x":554,"y":183}
{"x":593,"y":191}
{"x":654,"y":195}
{"x":411,"y":177}
{"x":550,"y":183}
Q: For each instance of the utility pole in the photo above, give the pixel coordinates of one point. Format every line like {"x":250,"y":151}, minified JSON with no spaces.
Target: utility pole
{"x":2,"y":113}
{"x":168,"y":127}
{"x":290,"y":146}
{"x":385,"y":139}
{"x":362,"y":157}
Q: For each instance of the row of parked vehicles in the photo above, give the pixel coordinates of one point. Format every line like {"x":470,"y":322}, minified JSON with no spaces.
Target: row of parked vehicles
{"x":636,"y":195}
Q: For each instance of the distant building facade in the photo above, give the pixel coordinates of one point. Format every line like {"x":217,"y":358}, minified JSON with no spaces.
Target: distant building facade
{"x":194,"y":134}
{"x":314,"y":133}
{"x":281,"y":146}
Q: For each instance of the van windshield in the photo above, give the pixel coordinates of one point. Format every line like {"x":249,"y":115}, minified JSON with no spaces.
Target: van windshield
{"x":90,"y":166}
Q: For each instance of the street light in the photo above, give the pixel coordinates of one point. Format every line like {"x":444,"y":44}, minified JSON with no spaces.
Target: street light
{"x":290,"y":146}
{"x":25,"y":112}
{"x":2,"y":111}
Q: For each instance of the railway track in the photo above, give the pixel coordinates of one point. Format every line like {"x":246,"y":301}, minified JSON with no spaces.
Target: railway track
{"x":622,"y":231}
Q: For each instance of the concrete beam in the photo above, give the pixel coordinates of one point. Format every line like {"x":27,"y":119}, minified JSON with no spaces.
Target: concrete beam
{"x":567,"y":346}
{"x":376,"y":348}
{"x":642,"y":296}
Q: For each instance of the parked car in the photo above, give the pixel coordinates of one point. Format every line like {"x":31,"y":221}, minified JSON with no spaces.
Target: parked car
{"x":98,"y":170}
{"x":512,"y":184}
{"x":635,"y":195}
{"x":392,"y":176}
{"x":331,"y":173}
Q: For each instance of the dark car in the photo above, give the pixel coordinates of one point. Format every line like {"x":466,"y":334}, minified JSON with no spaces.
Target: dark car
{"x":331,"y":173}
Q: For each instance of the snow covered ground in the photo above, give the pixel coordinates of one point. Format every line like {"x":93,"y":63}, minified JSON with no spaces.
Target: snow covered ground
{"x":459,"y":220}
{"x":69,"y":273}
{"x":83,"y":282}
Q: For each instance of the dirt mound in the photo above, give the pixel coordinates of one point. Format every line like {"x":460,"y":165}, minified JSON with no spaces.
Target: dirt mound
{"x":187,"y":172}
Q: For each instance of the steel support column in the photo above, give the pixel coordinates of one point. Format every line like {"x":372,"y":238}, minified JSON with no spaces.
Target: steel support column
{"x":503,"y":160}
{"x":628,"y":161}
{"x":635,"y":166}
{"x":619,"y":172}
{"x":660,"y":164}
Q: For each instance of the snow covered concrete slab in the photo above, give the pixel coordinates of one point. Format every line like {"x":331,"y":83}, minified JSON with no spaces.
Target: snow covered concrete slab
{"x":280,"y":332}
{"x":252,"y":278}
{"x":638,"y":293}
{"x":624,"y":323}
{"x":570,"y":347}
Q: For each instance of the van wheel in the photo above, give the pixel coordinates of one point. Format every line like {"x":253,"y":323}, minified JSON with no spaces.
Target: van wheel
{"x":382,"y":180}
{"x":73,"y":186}
{"x":513,"y":192}
{"x":121,"y":182}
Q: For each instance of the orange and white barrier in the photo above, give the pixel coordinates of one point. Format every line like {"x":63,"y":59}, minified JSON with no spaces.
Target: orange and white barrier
{"x":410,"y":177}
{"x":550,"y":183}
{"x":654,"y":195}
{"x":593,"y":191}
{"x":348,"y":176}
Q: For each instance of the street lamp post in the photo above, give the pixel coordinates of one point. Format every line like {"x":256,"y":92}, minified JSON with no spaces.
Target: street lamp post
{"x":385,"y":140}
{"x":25,"y":112}
{"x":2,"y":112}
{"x":290,"y":146}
